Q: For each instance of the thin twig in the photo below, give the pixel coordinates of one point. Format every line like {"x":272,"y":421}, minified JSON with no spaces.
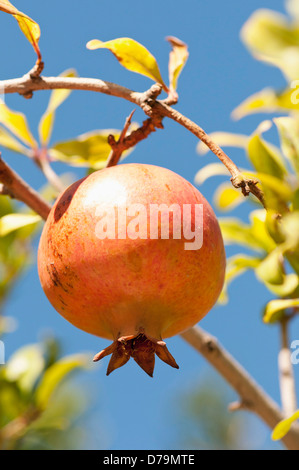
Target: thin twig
{"x":132,"y":139}
{"x":286,"y":373}
{"x":20,"y":190}
{"x":117,"y":147}
{"x":251,"y":394}
{"x":26,"y":85}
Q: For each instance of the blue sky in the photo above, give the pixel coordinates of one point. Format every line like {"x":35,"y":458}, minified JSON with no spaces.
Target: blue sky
{"x":220,"y":73}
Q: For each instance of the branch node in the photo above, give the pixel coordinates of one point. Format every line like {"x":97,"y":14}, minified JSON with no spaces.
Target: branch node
{"x":240,"y":405}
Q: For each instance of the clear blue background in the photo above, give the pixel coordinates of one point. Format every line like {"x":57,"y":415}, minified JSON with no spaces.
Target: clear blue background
{"x":131,"y":410}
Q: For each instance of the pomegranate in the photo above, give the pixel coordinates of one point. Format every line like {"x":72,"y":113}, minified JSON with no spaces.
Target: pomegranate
{"x":132,"y":253}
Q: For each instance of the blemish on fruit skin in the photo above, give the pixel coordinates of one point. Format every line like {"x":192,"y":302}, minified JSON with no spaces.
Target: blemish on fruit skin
{"x":54,"y":276}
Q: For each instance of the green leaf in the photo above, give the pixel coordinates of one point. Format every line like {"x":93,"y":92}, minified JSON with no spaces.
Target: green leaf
{"x":54,"y":376}
{"x":11,"y":222}
{"x":17,"y":124}
{"x":224,"y":139}
{"x":177,"y":59}
{"x":131,"y":55}
{"x":87,"y":150}
{"x":288,"y":128}
{"x":25,"y":366}
{"x":272,"y":39}
{"x":56,"y":99}
{"x":227,"y":197}
{"x":276,"y":306}
{"x":283,"y":427}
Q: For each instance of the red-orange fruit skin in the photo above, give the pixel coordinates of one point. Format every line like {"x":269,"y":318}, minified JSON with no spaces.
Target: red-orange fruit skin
{"x":119,"y":287}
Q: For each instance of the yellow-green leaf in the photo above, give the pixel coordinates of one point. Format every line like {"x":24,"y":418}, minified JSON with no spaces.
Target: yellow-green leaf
{"x":265,"y":158}
{"x":25,"y":366}
{"x":11,"y":222}
{"x":213,"y":169}
{"x":27,"y":25}
{"x":263,"y":101}
{"x":56,"y":99}
{"x":292,"y":7}
{"x":236,"y":265}
{"x":258,"y":228}
{"x":9,"y":142}
{"x":268,"y":101}
{"x":224,"y":139}
{"x":234,"y":231}
{"x":227,"y":197}
{"x":17,"y":123}
{"x":177,"y":59}
{"x":278,"y":305}
{"x":288,"y":128}
{"x":55,"y":374}
{"x":283,"y":427}
{"x":273,"y":39}
{"x":88,"y":150}
{"x":131,"y":55}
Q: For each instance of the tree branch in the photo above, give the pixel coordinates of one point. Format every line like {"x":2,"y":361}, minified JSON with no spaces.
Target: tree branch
{"x":286,"y":375}
{"x":15,"y":186}
{"x":27,"y":84}
{"x":252,"y":396}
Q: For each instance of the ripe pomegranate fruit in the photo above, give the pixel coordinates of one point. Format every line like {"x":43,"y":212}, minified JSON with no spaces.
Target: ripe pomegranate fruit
{"x":108,"y":265}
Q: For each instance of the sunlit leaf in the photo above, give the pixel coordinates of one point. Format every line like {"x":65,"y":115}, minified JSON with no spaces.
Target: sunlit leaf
{"x":292,"y":7}
{"x":28,"y":26}
{"x":271,"y":268}
{"x":259,"y":230}
{"x":271,"y":38}
{"x":224,"y":139}
{"x":265,"y":157}
{"x":131,"y":55}
{"x":236,"y":265}
{"x":11,"y":222}
{"x":55,"y":374}
{"x":213,"y":169}
{"x":25,"y":366}
{"x":271,"y":272}
{"x":283,"y":427}
{"x":227,"y":197}
{"x":56,"y":99}
{"x":87,"y":150}
{"x":269,"y":101}
{"x":17,"y":123}
{"x":9,"y":142}
{"x":177,"y":59}
{"x":234,"y":231}
{"x":290,"y":228}
{"x":278,"y":305}
{"x":271,"y":172}
{"x":288,"y":128}
{"x":263,"y":101}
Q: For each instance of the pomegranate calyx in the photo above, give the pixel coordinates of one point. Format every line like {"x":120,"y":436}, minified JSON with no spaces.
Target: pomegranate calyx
{"x":141,"y":348}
